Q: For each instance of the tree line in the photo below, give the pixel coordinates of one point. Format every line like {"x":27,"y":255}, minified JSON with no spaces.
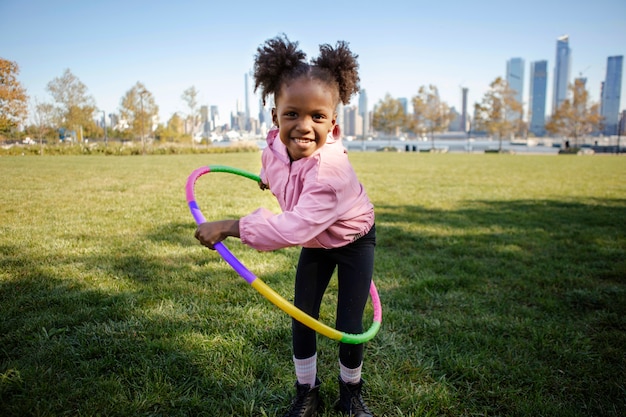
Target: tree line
{"x":73,"y":112}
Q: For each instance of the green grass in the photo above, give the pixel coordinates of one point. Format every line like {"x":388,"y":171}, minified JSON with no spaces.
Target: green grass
{"x":502,"y":278}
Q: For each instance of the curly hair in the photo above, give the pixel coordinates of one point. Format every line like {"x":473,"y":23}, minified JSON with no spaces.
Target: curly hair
{"x":279,"y":61}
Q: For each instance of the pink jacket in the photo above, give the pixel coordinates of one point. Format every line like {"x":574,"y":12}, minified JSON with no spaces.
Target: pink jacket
{"x":323,"y":203}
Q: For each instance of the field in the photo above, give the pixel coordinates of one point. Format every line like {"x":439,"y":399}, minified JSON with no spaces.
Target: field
{"x":502,"y":279}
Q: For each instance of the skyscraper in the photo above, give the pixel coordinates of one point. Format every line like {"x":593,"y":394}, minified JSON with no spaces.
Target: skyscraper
{"x":363,"y":110}
{"x":611,"y":90}
{"x":352,"y":122}
{"x":404,"y":102}
{"x":215,"y":117}
{"x":561,"y":71}
{"x":464,"y":123}
{"x":247,"y":102}
{"x":515,"y":81}
{"x":515,"y":77}
{"x":537,"y":97}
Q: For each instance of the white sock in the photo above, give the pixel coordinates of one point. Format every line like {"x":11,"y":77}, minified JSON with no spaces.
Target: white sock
{"x":306,"y":370}
{"x":350,"y":376}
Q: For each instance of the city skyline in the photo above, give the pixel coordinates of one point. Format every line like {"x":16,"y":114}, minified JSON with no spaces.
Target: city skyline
{"x":401,"y":47}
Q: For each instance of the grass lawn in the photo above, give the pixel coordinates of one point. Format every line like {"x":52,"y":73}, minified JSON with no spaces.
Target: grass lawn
{"x":502,"y":278}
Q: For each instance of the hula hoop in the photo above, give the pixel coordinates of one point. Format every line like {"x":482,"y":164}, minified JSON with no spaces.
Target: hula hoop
{"x":263,"y":288}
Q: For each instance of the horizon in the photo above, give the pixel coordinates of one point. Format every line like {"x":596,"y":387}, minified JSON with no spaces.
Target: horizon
{"x":401,"y":47}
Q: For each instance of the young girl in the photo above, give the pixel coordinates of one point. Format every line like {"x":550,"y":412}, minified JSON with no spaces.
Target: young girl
{"x":324,"y":207}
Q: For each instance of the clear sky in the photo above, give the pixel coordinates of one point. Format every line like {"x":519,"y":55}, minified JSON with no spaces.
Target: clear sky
{"x":402,"y":44}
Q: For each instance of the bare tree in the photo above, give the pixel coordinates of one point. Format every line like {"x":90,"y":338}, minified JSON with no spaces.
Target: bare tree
{"x":430,"y":114}
{"x":75,"y":106}
{"x":190,"y":97}
{"x":43,"y":116}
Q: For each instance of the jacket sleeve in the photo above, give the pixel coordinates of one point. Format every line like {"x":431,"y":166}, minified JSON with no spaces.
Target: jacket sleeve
{"x":315,"y":212}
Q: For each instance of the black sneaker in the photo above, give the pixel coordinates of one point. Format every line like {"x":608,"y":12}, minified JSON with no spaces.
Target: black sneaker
{"x":306,"y":402}
{"x":350,"y":400}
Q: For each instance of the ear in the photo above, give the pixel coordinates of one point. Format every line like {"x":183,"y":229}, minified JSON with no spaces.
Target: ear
{"x":334,"y":122}
{"x":274,"y":117}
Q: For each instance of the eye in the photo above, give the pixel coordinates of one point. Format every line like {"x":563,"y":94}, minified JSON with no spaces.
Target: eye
{"x":291,"y":114}
{"x":319,"y":116}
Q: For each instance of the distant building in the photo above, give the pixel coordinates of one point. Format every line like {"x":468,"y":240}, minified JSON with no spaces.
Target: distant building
{"x":537,"y":97}
{"x":404,"y":102}
{"x":515,"y":77}
{"x":353,"y":122}
{"x":247,"y":95}
{"x":561,"y":72}
{"x":214,"y":118}
{"x":263,"y":119}
{"x":363,"y":111}
{"x":610,"y":95}
{"x":204,"y":119}
{"x":245,"y":124}
{"x":238,"y":121}
{"x":464,"y":116}
{"x":115,"y":121}
{"x":457,"y":123}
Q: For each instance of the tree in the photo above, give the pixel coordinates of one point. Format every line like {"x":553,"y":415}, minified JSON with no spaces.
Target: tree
{"x":575,"y":117}
{"x":172,"y":132}
{"x":388,"y":116}
{"x":13,"y":98}
{"x":43,"y":116}
{"x":499,"y":113}
{"x":76,"y":107}
{"x":190,"y":97}
{"x":139,"y":109}
{"x":430,"y":114}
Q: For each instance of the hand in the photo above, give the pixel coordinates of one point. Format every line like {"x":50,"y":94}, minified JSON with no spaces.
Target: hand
{"x":210,"y":233}
{"x":263,"y":186}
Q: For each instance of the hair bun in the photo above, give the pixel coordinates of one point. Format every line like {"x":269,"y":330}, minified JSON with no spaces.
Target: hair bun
{"x":277,"y":57}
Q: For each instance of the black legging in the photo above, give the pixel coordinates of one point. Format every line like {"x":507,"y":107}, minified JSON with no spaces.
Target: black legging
{"x":355,"y":263}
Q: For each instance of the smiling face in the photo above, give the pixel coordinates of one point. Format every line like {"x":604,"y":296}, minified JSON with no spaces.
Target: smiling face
{"x":305,"y":114}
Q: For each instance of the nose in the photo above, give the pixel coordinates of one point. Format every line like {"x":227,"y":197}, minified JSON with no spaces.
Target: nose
{"x":304,"y":124}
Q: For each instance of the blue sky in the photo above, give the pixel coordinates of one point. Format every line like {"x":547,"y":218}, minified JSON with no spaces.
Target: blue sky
{"x":402,"y":45}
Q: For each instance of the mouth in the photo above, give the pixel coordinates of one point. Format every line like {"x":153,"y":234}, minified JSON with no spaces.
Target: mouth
{"x":303,"y":140}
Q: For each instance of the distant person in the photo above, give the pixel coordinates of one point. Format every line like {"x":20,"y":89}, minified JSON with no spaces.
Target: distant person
{"x":325,"y":209}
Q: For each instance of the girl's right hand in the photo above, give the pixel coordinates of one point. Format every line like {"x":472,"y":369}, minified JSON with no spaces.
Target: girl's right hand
{"x":210,"y":233}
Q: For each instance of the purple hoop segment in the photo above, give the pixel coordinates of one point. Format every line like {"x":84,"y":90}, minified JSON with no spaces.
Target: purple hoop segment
{"x":263,"y":288}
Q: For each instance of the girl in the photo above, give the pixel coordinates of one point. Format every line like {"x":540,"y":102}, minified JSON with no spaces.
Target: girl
{"x":324,"y":207}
